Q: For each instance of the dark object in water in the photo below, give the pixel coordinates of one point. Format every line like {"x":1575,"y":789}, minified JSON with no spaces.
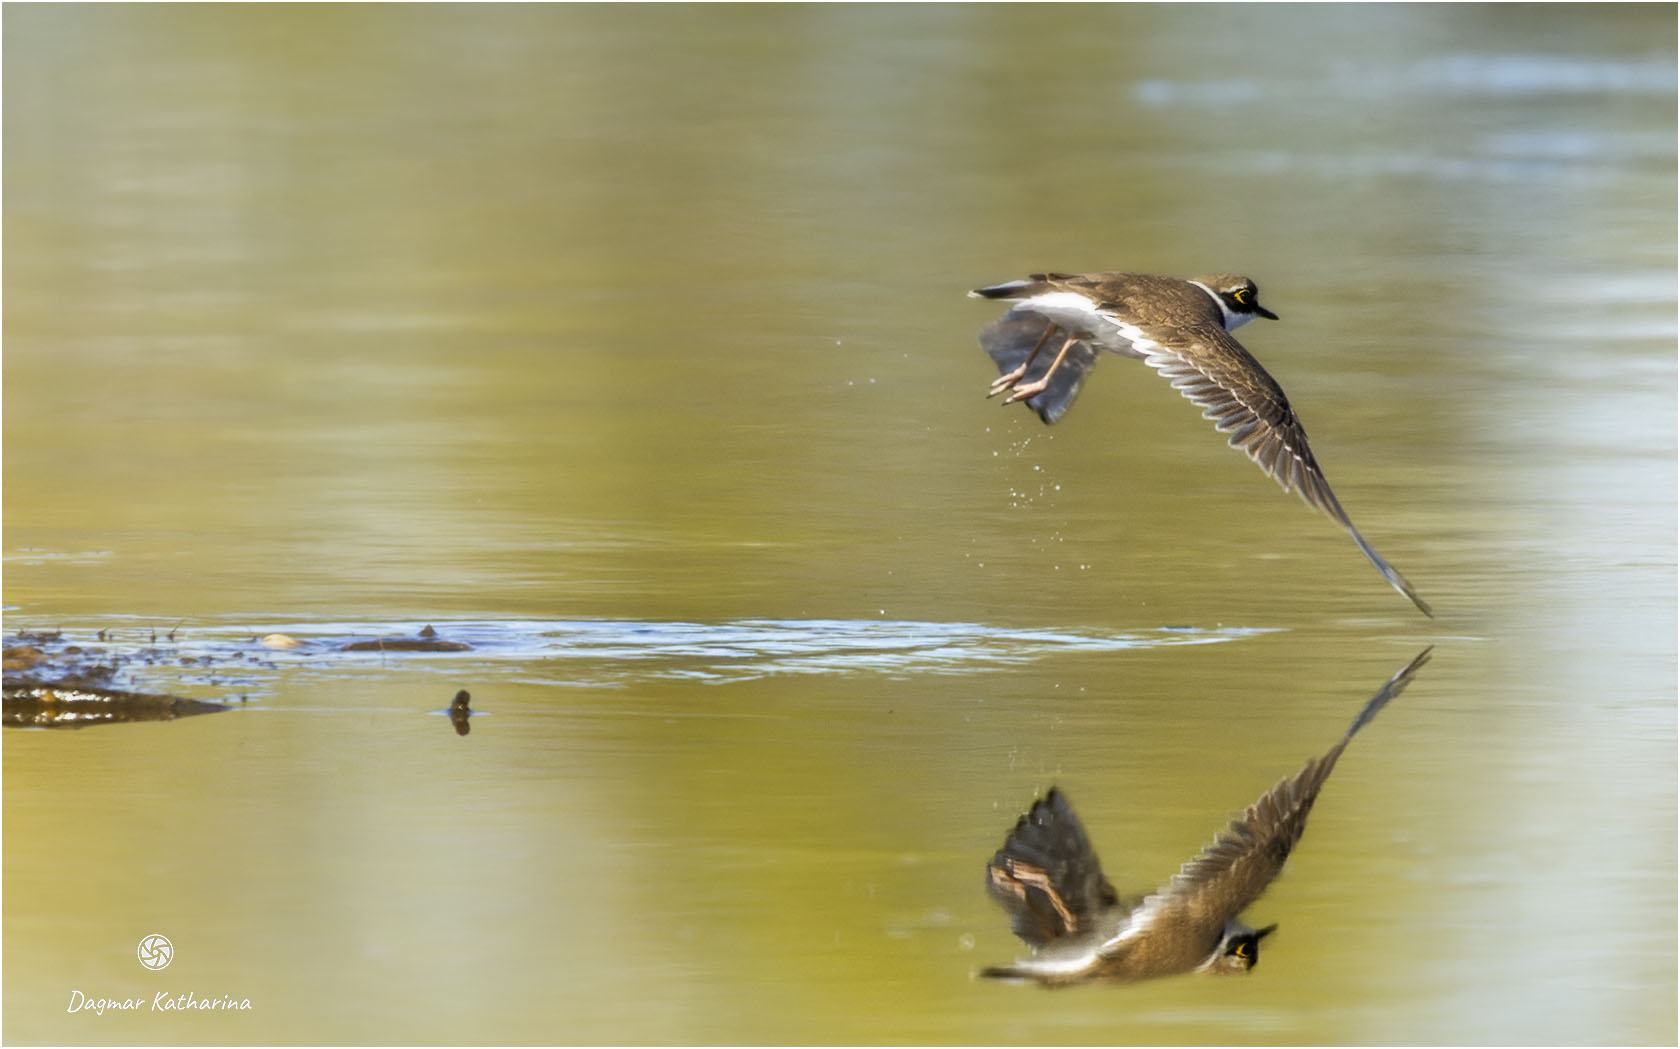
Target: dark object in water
{"x":406,"y":644}
{"x":426,"y":642}
{"x":460,"y":710}
{"x":63,"y":704}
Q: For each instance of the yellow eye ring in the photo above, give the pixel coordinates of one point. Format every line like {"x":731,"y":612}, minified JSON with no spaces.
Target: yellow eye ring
{"x":1240,"y":297}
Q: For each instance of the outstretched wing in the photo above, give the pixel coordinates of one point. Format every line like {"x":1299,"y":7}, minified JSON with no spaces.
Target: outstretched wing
{"x":1215,"y":373}
{"x":1232,"y":871}
{"x":1235,"y":868}
{"x":1048,"y":877}
{"x":1012,"y":337}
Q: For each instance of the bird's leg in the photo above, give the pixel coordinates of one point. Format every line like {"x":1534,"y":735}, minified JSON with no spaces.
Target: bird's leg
{"x":1021,"y":393}
{"x":1004,"y":382}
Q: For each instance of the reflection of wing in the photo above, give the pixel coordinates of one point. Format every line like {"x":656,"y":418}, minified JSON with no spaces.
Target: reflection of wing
{"x":1215,"y":373}
{"x":1047,"y":875}
{"x":1009,"y":339}
{"x":1235,"y":869}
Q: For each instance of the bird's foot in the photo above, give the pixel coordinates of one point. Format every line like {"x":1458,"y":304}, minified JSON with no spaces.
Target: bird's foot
{"x":1005,"y":381}
{"x":1031,"y":389}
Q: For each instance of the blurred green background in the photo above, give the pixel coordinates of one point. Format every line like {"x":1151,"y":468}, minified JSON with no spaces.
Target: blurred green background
{"x":652,"y":319}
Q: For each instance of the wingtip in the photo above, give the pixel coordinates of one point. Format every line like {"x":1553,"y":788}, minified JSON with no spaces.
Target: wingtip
{"x":1388,"y":571}
{"x":1404,"y":676}
{"x":1406,"y":588}
{"x":1391,"y":688}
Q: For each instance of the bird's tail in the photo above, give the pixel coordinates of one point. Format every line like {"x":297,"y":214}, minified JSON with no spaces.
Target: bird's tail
{"x":1009,"y":289}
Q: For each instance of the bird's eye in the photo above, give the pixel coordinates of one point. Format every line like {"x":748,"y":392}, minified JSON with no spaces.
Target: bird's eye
{"x":1240,"y":296}
{"x":1242,"y":950}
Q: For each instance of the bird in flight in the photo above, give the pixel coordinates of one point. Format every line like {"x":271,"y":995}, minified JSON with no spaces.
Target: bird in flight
{"x":1180,"y":328}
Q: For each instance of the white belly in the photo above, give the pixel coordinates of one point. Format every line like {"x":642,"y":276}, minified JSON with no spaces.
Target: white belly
{"x":1079,"y":315}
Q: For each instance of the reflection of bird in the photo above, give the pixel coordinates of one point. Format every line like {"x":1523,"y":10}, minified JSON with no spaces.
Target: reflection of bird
{"x":1180,"y":328}
{"x":1049,"y":879}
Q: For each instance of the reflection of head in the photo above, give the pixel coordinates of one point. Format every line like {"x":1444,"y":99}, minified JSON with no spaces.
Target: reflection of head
{"x":1240,"y":950}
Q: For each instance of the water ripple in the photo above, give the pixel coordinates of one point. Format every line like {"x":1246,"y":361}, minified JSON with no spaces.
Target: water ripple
{"x":596,"y":652}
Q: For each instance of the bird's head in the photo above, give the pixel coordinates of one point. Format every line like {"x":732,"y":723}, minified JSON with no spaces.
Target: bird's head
{"x":1238,"y":299}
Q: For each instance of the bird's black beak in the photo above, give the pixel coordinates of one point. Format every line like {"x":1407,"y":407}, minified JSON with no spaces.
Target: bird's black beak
{"x":1264,"y":312}
{"x":1261,"y":934}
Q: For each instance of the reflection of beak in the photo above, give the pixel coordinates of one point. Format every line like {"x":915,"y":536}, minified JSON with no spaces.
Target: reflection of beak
{"x":1269,"y":315}
{"x":1268,"y":930}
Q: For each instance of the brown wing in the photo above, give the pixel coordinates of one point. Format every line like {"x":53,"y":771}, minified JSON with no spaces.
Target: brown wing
{"x":1047,"y":876}
{"x":1232,"y":871}
{"x":1215,"y":373}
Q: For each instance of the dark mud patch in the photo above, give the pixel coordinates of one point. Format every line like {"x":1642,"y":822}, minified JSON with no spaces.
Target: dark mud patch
{"x":61,"y":704}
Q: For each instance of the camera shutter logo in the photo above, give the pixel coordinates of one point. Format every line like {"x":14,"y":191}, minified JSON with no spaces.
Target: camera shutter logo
{"x":155,"y":951}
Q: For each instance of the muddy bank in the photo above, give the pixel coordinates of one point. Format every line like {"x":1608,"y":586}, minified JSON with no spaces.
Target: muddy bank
{"x":58,"y":704}
{"x":55,"y":681}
